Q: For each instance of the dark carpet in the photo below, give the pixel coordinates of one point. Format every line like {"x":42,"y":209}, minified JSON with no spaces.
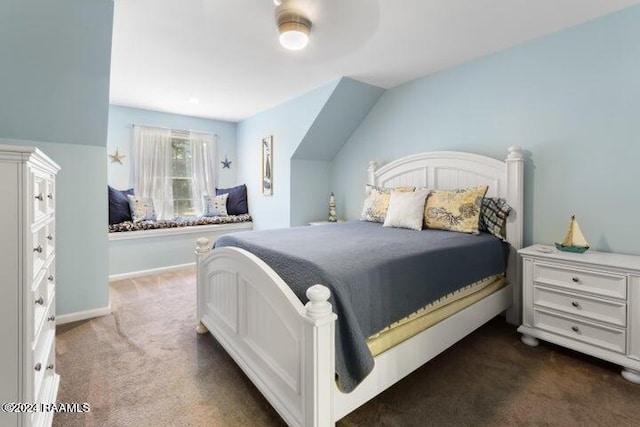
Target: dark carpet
{"x":144,"y":365}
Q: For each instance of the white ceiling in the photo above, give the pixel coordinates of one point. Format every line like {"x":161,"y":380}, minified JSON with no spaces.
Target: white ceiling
{"x":226,"y":54}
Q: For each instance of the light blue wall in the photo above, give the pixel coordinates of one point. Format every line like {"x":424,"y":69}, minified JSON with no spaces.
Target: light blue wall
{"x":81,"y":245}
{"x":310,"y":190}
{"x":570,"y":99}
{"x":120,"y":131}
{"x":54,"y":70}
{"x":288,"y":123}
{"x":54,"y":94}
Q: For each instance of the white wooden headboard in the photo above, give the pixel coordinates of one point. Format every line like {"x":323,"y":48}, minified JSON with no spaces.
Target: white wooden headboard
{"x":444,"y":170}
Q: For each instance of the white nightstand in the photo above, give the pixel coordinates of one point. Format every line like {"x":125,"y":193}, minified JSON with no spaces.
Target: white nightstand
{"x":324,"y":222}
{"x":587,"y":302}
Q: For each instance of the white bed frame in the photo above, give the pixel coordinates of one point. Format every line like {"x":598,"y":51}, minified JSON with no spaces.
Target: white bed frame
{"x":287,"y":348}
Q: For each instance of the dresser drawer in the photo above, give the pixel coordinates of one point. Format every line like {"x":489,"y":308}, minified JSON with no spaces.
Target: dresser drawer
{"x":609,"y":338}
{"x":50,"y":280}
{"x":40,"y":302}
{"x":43,"y":366}
{"x":43,"y":321}
{"x":39,"y":196}
{"x":571,"y":278}
{"x":50,"y":195}
{"x":613,"y":312}
{"x":39,"y":249}
{"x":50,"y":235}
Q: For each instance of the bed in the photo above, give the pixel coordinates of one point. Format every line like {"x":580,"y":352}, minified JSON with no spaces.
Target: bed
{"x":288,"y":349}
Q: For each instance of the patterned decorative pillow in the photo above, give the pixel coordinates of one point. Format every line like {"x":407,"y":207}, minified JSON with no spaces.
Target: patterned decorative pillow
{"x":141,"y":208}
{"x":216,"y":206}
{"x":455,"y":210}
{"x":376,"y":203}
{"x":493,"y":216}
{"x":406,"y":209}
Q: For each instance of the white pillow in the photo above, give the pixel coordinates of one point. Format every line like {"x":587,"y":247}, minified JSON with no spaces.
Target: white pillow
{"x":406,"y":209}
{"x":216,"y":206}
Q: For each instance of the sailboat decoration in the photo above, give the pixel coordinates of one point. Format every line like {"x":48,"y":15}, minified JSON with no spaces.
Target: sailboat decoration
{"x":574,"y":241}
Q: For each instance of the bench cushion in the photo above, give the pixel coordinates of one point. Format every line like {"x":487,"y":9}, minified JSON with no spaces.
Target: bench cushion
{"x":178,"y":222}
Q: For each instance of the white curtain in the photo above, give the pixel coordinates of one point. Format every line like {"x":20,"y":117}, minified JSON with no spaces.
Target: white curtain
{"x":204,"y":158}
{"x":152,"y":173}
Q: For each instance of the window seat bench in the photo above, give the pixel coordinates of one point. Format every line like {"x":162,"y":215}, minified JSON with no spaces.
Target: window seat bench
{"x":148,"y":247}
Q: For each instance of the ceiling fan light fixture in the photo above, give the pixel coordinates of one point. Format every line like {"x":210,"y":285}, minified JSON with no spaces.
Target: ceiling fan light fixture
{"x":293,"y":27}
{"x":294,"y":35}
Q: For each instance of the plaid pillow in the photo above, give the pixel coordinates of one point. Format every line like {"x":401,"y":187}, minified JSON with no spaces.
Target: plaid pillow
{"x":493,"y":216}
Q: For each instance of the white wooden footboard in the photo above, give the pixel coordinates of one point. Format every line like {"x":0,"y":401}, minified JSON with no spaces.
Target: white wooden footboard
{"x":285,"y":348}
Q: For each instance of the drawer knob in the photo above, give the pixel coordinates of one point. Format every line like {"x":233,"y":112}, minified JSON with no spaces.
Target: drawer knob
{"x":575,"y":329}
{"x":38,"y":367}
{"x":50,"y":237}
{"x":575,"y":279}
{"x":50,"y":366}
{"x":50,"y":196}
{"x":40,"y":301}
{"x":51,"y":319}
{"x":40,"y":197}
{"x":575,"y":303}
{"x":38,"y":249}
{"x":50,"y":278}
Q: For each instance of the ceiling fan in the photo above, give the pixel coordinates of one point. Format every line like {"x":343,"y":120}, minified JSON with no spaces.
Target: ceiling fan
{"x":293,"y":22}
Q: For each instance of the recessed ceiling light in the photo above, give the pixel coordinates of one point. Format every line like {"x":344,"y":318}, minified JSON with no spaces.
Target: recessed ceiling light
{"x":194,"y":100}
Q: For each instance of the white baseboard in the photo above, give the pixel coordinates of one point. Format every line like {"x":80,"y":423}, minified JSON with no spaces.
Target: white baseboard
{"x":158,"y":270}
{"x":83,"y":315}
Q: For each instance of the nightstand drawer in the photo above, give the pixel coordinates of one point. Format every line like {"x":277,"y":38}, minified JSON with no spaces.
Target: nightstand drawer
{"x":591,"y":281}
{"x":606,"y":337}
{"x":595,"y":309}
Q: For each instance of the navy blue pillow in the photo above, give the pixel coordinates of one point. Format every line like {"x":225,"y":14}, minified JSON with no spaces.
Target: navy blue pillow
{"x":237,"y":201}
{"x":119,"y":210}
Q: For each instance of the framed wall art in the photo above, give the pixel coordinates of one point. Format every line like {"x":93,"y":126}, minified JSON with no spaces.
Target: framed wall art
{"x":267,"y":166}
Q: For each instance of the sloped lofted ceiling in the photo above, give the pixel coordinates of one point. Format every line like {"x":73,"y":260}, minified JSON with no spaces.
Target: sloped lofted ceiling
{"x":225,"y":53}
{"x":348,"y":104}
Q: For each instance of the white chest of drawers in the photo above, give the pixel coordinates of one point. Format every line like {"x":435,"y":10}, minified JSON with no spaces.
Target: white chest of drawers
{"x":27,"y":284}
{"x":588,"y":302}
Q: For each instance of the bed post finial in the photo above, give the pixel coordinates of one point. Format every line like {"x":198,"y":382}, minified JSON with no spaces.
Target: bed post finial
{"x":515,"y":153}
{"x":373,"y":166}
{"x":202,"y":246}
{"x":318,"y":305}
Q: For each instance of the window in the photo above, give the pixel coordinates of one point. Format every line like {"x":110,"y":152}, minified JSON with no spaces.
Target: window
{"x":174,"y":168}
{"x":182,"y":176}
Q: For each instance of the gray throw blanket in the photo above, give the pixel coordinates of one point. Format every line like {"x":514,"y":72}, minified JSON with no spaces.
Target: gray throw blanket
{"x":377,"y":275}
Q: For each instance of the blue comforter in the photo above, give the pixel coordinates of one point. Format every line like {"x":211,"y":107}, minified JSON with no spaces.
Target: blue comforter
{"x":377,"y":275}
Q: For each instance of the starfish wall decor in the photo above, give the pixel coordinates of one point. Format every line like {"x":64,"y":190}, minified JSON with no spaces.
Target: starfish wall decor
{"x":226,"y":163}
{"x":117,"y":156}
